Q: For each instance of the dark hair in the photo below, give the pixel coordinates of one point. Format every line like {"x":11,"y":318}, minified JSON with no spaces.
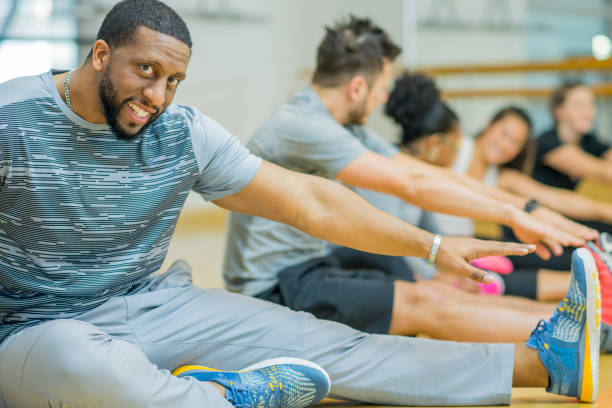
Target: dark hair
{"x":558,"y":97}
{"x":351,"y":47}
{"x":415,"y":105}
{"x":525,"y":159}
{"x":122,"y":21}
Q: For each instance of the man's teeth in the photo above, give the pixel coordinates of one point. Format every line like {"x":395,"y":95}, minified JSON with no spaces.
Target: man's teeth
{"x":139,"y":112}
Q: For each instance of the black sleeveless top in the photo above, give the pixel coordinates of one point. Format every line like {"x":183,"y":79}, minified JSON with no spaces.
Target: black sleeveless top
{"x":549,"y":141}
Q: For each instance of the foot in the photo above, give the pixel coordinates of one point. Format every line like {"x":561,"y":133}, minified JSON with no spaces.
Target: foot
{"x":568,"y":344}
{"x":603,"y":262}
{"x":280,"y":382}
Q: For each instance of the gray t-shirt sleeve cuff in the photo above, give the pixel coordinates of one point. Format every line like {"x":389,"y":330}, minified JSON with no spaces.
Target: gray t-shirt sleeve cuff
{"x":336,"y":166}
{"x":243,"y":172}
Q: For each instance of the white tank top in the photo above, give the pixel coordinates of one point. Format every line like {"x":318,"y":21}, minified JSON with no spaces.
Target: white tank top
{"x":451,"y":225}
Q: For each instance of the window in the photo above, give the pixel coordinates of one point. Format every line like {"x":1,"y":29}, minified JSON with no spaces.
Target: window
{"x":36,"y":35}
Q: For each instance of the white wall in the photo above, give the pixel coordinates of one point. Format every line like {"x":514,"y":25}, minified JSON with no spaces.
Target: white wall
{"x":243,"y":69}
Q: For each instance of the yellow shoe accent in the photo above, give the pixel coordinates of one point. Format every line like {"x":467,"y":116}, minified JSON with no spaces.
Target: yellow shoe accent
{"x":184,"y":368}
{"x":586,"y":393}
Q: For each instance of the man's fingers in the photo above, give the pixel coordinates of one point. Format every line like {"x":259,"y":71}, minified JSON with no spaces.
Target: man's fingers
{"x":477,"y":275}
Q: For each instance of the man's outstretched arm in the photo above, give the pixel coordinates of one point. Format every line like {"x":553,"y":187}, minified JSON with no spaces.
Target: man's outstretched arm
{"x":330,"y":211}
{"x":436,"y":189}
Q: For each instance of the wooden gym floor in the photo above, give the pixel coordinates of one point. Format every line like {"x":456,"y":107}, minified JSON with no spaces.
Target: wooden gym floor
{"x":533,"y":397}
{"x":200,"y":240}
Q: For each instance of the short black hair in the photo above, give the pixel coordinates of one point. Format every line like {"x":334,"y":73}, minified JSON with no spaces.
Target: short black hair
{"x":415,"y":105}
{"x":122,"y":21}
{"x":350,"y":47}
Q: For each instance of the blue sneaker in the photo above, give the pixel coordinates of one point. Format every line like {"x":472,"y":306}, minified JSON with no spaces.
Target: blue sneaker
{"x":568,"y":344}
{"x":276,"y":383}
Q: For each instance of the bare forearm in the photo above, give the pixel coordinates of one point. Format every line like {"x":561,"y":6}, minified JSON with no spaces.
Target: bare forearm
{"x":336,"y":214}
{"x":447,"y":196}
{"x":573,"y":205}
{"x":492,"y":192}
{"x":437,"y":189}
{"x":332,"y":212}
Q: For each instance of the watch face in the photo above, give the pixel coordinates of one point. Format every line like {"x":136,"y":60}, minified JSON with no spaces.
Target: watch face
{"x":531,"y":205}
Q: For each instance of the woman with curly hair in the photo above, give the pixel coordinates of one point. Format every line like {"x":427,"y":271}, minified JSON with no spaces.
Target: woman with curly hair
{"x":501,"y":156}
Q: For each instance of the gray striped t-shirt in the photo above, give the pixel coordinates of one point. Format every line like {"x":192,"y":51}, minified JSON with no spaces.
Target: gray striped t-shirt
{"x":85,"y":216}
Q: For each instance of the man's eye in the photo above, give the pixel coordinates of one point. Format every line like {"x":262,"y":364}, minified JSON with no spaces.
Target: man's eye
{"x":146,"y":69}
{"x":173,"y":81}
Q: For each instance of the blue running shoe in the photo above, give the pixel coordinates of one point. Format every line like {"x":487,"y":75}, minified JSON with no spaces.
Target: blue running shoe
{"x":276,"y":383}
{"x":568,"y":344}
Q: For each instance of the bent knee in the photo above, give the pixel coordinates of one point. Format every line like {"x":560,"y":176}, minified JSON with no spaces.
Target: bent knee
{"x":416,"y":295}
{"x":73,"y":361}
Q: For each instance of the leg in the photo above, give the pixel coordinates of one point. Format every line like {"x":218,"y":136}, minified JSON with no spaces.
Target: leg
{"x":230,"y":331}
{"x":371,"y":301}
{"x":503,"y":302}
{"x":74,"y":363}
{"x":175,"y":324}
{"x":552,"y":285}
{"x":528,"y":368}
{"x":545,"y":285}
{"x":420,"y":309}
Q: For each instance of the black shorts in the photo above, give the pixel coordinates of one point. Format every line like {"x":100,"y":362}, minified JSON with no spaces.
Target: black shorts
{"x":335,"y":288}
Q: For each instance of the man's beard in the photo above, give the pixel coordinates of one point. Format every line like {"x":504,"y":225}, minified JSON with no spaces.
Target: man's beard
{"x":358,"y":115}
{"x":108,"y":98}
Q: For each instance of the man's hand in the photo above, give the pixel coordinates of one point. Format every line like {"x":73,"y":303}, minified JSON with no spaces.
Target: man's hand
{"x":455,"y":255}
{"x":546,"y":237}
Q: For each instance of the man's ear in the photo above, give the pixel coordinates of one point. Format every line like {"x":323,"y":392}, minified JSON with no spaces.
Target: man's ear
{"x":100,"y":55}
{"x":357,"y":88}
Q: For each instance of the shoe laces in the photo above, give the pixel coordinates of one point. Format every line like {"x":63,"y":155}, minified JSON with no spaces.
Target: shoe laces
{"x":542,"y":331}
{"x":263,"y":396}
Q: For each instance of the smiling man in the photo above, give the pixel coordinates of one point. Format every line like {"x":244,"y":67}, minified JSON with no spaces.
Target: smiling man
{"x":95,"y":166}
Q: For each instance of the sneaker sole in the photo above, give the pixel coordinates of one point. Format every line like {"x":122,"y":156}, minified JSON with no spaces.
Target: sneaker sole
{"x":605,"y":259}
{"x":590,"y":366}
{"x":259,"y":365}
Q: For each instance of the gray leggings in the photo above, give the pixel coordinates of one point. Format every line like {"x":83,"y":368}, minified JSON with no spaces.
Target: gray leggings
{"x":120,"y":353}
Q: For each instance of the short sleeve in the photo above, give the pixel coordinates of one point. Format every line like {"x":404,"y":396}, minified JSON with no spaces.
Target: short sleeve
{"x":329,"y":152}
{"x":226,"y":167}
{"x":591,"y":145}
{"x":546,"y":143}
{"x":309,"y":146}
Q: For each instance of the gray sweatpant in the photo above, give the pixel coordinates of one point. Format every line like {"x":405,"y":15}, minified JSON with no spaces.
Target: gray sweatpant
{"x":120,"y":353}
